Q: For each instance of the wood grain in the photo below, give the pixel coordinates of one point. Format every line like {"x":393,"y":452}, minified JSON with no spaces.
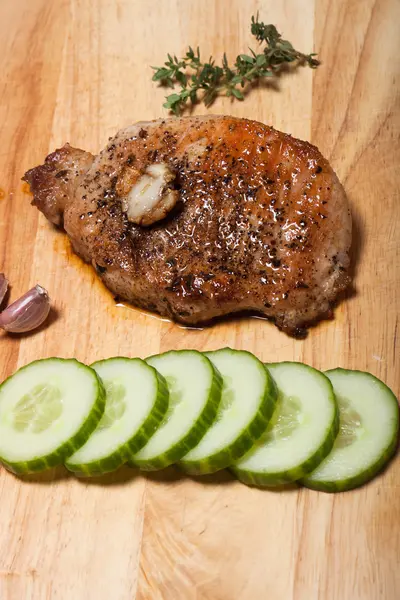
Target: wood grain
{"x":78,"y":70}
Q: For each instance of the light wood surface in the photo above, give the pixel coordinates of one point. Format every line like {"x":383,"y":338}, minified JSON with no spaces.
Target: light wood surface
{"x":79,"y":70}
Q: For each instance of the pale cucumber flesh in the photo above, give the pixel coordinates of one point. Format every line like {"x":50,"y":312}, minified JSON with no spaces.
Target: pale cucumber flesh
{"x":48,"y":410}
{"x":301,"y":432}
{"x":195,"y":392}
{"x":369,"y":426}
{"x":248,"y":401}
{"x":136,"y":402}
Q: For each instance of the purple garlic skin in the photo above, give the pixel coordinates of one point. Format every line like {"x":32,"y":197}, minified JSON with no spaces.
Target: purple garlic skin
{"x":26,"y":313}
{"x":3,"y":287}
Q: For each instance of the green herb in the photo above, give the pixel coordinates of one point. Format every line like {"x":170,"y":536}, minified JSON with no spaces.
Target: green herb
{"x":204,"y":81}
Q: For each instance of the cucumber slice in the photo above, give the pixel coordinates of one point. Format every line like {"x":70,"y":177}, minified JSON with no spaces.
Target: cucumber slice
{"x":302,"y":430}
{"x":195,"y":393}
{"x":369,"y":427}
{"x":48,"y":409}
{"x":136,"y":402}
{"x":248,"y":401}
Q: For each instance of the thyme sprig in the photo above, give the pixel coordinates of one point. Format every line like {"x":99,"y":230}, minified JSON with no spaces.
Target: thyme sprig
{"x":204,"y":81}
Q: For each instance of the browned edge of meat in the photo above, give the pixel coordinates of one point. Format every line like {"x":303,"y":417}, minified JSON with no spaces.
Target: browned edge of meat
{"x":53,"y":184}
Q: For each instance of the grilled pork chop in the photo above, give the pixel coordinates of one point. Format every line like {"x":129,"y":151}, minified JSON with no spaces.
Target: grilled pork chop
{"x":199,"y":217}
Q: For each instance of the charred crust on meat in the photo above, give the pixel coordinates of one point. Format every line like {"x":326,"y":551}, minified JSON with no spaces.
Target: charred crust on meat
{"x":152,"y":156}
{"x":300,"y":333}
{"x":61,"y":174}
{"x":301,"y":285}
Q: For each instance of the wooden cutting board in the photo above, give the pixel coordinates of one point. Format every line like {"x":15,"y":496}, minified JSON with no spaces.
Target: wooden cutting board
{"x":76,"y":70}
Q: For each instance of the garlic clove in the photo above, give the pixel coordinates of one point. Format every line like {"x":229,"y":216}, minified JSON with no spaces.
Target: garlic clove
{"x":3,"y":287}
{"x":26,"y":313}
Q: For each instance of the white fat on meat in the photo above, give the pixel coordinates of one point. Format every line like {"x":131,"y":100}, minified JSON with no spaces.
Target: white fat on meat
{"x":151,"y":197}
